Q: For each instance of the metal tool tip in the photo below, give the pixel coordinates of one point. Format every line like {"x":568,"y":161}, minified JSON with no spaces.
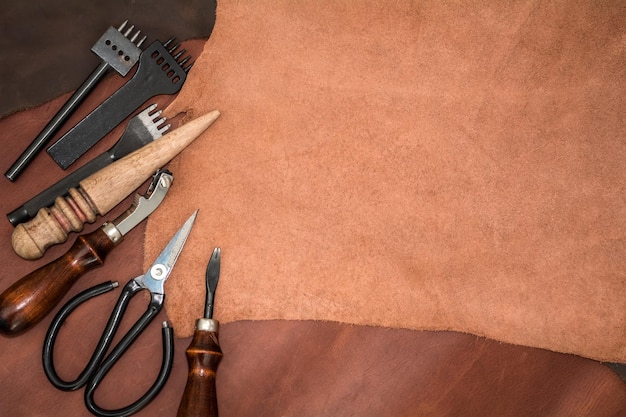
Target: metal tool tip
{"x":166,"y":324}
{"x":212,"y":277}
{"x":141,"y":41}
{"x":170,"y":40}
{"x":173,"y":48}
{"x":123,"y":25}
{"x":159,"y":122}
{"x":115,"y":284}
{"x":135,"y":36}
{"x":191,"y":219}
{"x":128,"y":31}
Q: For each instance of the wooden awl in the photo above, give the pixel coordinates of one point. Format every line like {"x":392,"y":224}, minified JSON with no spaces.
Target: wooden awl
{"x":203,"y":354}
{"x":100,"y":192}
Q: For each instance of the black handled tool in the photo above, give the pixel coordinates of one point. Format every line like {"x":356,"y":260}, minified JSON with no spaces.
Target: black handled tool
{"x":203,"y":354}
{"x":141,"y":130}
{"x":117,"y":52}
{"x":159,"y":72}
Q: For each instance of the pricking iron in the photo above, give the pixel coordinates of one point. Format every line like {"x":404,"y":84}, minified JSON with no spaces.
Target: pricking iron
{"x":117,"y":51}
{"x":159,"y":72}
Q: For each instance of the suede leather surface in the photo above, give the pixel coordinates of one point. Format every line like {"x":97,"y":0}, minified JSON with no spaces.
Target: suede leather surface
{"x":47,"y":44}
{"x":272,"y":368}
{"x":417,"y":165}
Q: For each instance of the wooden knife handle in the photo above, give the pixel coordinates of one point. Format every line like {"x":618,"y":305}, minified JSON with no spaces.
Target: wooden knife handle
{"x":203,"y":356}
{"x":30,"y":299}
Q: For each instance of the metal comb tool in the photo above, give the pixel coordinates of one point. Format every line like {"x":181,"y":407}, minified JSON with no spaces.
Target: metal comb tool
{"x":117,"y":51}
{"x":159,"y":72}
{"x":141,"y":130}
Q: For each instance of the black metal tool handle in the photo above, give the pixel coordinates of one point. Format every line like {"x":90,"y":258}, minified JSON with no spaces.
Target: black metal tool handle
{"x":55,"y":123}
{"x":117,"y":51}
{"x":159,"y":383}
{"x":141,"y":130}
{"x":46,"y":198}
{"x":158,"y":73}
{"x":98,"y":357}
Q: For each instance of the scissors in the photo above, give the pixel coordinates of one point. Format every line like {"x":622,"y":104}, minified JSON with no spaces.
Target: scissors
{"x":153,"y":281}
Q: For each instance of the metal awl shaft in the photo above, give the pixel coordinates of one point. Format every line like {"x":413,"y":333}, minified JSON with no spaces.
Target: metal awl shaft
{"x":104,"y":49}
{"x":212,"y":276}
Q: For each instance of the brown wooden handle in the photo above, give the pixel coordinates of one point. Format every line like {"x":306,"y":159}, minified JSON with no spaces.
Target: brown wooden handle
{"x":203,"y":356}
{"x":113,"y":183}
{"x":30,"y":299}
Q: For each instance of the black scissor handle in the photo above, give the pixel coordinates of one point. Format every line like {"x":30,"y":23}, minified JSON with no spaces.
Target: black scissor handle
{"x":98,"y":365}
{"x":166,"y":367}
{"x":53,"y":330}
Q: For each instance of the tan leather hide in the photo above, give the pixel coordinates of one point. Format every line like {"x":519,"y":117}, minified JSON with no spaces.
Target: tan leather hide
{"x":413,"y":164}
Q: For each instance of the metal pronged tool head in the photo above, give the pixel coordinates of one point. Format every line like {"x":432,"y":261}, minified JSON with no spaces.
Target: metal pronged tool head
{"x":178,"y":55}
{"x":117,"y":47}
{"x":129,"y":31}
{"x":152,"y":122}
{"x":212,"y":276}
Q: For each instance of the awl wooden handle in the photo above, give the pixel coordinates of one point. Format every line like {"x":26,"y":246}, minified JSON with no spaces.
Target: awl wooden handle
{"x":103,"y":190}
{"x":30,"y":299}
{"x":203,"y":356}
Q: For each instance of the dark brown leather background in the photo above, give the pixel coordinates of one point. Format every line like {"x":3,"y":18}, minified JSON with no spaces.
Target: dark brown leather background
{"x":275,"y":368}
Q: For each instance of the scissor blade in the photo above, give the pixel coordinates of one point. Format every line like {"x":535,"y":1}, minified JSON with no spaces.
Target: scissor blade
{"x":169,"y":255}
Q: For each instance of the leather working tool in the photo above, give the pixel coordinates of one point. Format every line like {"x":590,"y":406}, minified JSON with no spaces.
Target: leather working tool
{"x":30,"y":299}
{"x":141,"y":130}
{"x":159,"y":72}
{"x":153,"y":281}
{"x":203,"y":354}
{"x":117,"y":51}
{"x":100,"y":192}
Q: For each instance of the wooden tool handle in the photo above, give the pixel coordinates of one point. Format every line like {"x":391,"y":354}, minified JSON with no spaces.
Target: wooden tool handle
{"x":103,"y":190}
{"x":51,"y":225}
{"x":203,"y":356}
{"x":107,"y":187}
{"x":31,"y":298}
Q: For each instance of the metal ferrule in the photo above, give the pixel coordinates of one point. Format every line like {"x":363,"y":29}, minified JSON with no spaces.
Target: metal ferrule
{"x":207,"y":325}
{"x":112,"y":232}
